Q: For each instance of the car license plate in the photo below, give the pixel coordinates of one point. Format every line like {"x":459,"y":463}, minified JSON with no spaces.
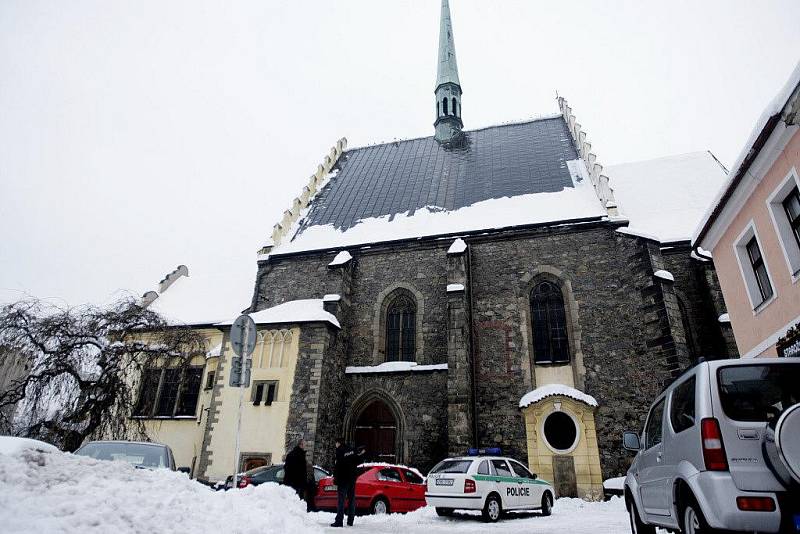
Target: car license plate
{"x":444,"y":481}
{"x":330,"y":488}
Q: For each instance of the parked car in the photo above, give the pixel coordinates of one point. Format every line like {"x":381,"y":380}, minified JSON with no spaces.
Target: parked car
{"x":492,"y":484}
{"x":720,"y":450}
{"x":268,"y":473}
{"x":141,"y":454}
{"x":380,"y":489}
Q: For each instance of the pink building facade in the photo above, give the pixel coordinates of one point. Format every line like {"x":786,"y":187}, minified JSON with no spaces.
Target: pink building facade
{"x":752,"y":231}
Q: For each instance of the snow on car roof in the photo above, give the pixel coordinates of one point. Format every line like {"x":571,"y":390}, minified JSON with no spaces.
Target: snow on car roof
{"x":399,"y":466}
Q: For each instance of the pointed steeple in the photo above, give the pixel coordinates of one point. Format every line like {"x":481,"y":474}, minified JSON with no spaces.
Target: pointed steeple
{"x":448,"y":87}
{"x":448,"y":68}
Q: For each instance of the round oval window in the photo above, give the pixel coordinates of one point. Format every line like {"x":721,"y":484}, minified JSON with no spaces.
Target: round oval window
{"x":560,"y":431}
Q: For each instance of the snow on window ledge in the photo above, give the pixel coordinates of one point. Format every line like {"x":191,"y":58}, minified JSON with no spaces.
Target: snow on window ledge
{"x":394,"y":367}
{"x":453,"y":288}
{"x":664,"y":275}
{"x":551,"y":390}
{"x":340,"y":259}
{"x":331,"y":297}
{"x":458,"y":247}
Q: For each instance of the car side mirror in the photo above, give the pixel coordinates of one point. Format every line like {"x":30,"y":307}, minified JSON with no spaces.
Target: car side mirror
{"x":186,"y":470}
{"x":630,"y":441}
{"x":535,"y":476}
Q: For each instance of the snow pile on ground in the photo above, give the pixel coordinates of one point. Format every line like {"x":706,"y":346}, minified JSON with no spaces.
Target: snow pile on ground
{"x":574,"y":516}
{"x":550,"y":390}
{"x":55,"y":492}
{"x":12,"y":445}
{"x":617,"y":483}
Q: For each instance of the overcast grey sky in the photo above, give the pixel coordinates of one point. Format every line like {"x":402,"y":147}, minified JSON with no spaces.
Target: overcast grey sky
{"x":135,"y":136}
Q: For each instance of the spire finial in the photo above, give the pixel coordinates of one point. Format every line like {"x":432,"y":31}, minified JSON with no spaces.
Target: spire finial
{"x":448,"y":87}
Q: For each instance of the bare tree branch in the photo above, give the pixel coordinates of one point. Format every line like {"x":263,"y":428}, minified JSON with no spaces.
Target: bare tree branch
{"x":85,"y":368}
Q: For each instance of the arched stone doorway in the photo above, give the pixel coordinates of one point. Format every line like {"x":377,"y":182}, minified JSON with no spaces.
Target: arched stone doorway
{"x":376,"y":429}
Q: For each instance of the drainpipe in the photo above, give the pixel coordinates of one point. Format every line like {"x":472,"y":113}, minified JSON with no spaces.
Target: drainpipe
{"x":472,"y":351}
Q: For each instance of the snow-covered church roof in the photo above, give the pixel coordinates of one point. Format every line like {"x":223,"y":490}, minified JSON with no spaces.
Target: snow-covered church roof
{"x":665,"y":198}
{"x":498,"y":177}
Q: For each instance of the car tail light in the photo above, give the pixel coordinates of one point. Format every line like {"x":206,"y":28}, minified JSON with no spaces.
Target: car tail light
{"x":244,"y":482}
{"x":755,"y":504}
{"x":469,"y":486}
{"x":713,"y":446}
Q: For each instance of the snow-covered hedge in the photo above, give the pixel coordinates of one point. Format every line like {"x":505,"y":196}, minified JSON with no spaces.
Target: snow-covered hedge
{"x":57,"y":492}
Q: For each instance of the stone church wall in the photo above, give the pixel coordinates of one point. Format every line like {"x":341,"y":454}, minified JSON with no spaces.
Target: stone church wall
{"x":626,"y":325}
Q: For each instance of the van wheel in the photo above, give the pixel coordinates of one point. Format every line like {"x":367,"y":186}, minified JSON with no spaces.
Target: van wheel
{"x":637,"y":526}
{"x":493,"y":509}
{"x":547,"y":504}
{"x":692,"y":519}
{"x":444,"y":512}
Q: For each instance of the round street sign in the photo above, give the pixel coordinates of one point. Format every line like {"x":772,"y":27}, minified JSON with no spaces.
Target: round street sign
{"x":243,"y":336}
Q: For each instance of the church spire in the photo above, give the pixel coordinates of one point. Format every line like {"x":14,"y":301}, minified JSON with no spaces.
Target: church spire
{"x":448,"y":87}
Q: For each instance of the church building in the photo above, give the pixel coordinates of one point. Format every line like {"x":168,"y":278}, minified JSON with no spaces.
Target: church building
{"x":477,"y":288}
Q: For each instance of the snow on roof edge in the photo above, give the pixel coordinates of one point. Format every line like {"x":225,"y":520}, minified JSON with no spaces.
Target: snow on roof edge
{"x":550,"y":390}
{"x":774,"y":107}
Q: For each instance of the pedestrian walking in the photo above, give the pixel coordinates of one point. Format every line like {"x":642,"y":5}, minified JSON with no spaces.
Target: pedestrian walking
{"x":294,"y":468}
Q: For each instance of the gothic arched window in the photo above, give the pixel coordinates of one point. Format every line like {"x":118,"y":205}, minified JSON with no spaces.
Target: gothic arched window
{"x":455,"y":107}
{"x":444,"y":102}
{"x":550,"y":341}
{"x":401,"y":318}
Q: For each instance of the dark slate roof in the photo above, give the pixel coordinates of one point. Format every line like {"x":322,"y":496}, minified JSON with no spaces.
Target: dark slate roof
{"x":500,"y":161}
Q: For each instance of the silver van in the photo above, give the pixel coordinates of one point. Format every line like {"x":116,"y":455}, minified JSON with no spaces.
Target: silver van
{"x":720,"y":450}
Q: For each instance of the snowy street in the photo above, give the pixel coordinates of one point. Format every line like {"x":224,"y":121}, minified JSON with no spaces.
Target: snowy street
{"x":54,"y":492}
{"x":570,"y":516}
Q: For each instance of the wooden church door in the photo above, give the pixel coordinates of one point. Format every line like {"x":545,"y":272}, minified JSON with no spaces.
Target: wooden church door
{"x":376,"y":429}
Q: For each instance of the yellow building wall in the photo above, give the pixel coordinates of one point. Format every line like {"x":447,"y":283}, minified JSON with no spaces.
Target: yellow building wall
{"x":184,"y":435}
{"x":263,"y":428}
{"x":586,"y":453}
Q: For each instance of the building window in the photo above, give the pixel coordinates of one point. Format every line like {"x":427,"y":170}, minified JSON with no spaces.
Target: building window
{"x":550,"y":342}
{"x":401,"y":329}
{"x":791,"y":204}
{"x":560,"y":431}
{"x":444,"y":103}
{"x":759,"y":269}
{"x":784,"y":209}
{"x":754,"y":268}
{"x":265,"y":391}
{"x":169,"y":392}
{"x":210,"y":378}
{"x":455,"y":107}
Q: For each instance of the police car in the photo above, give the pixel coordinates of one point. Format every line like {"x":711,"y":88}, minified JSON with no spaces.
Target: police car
{"x":483,"y":481}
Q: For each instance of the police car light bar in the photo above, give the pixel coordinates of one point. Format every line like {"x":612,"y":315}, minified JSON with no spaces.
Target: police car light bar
{"x":485,"y":451}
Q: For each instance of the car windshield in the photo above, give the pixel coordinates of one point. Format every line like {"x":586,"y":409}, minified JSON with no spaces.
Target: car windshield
{"x":137,"y":454}
{"x":758,"y":392}
{"x":452,"y":466}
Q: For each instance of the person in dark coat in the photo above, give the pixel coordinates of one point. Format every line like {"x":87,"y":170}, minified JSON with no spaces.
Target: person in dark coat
{"x":294,"y":468}
{"x":344,"y":476}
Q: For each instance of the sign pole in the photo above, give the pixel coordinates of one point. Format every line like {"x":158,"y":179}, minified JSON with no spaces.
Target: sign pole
{"x":243,"y":337}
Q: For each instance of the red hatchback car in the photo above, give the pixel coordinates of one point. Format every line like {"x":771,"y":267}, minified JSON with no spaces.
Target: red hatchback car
{"x":380,"y":489}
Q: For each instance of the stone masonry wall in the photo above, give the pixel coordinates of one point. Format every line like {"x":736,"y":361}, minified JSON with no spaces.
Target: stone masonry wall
{"x":628,"y":328}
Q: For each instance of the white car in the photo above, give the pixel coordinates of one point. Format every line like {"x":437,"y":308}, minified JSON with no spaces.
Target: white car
{"x":492,"y":484}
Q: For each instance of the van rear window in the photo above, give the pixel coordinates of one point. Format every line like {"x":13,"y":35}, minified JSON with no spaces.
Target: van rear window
{"x":758,"y":393}
{"x":452,"y":466}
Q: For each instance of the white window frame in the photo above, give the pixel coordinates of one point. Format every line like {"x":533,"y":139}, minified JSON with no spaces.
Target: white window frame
{"x":789,"y":246}
{"x":746,"y":269}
